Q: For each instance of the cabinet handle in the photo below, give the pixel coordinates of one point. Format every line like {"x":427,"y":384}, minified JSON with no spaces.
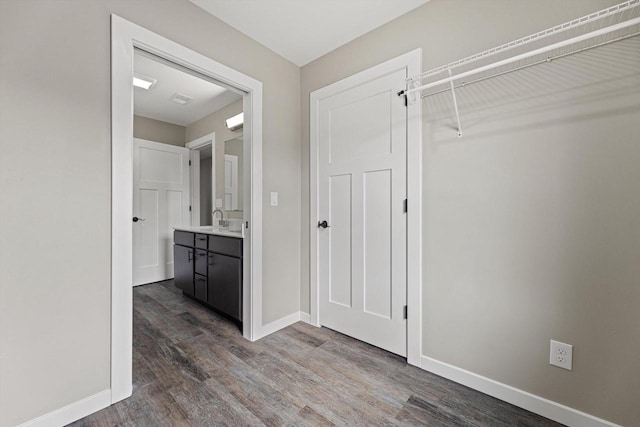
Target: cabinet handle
{"x":190,"y":256}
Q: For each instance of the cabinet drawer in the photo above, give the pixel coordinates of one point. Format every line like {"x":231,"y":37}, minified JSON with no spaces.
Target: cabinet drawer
{"x":183,"y":238}
{"x":201,"y":241}
{"x":200,"y":285}
{"x":226,"y":245}
{"x":201,"y":262}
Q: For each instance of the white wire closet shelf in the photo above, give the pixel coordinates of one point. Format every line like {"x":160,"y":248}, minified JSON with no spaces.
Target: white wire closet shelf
{"x":601,"y":28}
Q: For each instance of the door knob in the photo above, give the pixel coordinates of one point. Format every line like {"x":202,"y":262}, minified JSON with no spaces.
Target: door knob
{"x":323,"y":224}
{"x":136,"y":219}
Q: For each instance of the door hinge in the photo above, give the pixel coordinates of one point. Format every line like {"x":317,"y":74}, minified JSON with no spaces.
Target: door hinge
{"x":189,"y":208}
{"x":189,"y":162}
{"x":404,"y":207}
{"x":404,"y":312}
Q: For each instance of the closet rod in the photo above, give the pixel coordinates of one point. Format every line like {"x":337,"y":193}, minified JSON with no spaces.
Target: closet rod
{"x":542,"y":61}
{"x":526,"y":55}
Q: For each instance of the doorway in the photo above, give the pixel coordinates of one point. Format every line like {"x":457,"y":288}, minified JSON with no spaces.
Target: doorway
{"x":125,"y":38}
{"x":172,"y":105}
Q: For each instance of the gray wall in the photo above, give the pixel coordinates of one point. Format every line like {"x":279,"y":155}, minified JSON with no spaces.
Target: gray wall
{"x":531,"y":220}
{"x":158,"y":131}
{"x":55,"y":172}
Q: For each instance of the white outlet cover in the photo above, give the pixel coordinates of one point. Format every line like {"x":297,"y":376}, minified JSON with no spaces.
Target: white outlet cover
{"x":561,"y":355}
{"x":274,"y":198}
{"x":218,"y":203}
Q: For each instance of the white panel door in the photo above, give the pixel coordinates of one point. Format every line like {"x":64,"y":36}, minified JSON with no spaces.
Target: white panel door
{"x":361,"y":192}
{"x":230,"y":182}
{"x":160,"y":202}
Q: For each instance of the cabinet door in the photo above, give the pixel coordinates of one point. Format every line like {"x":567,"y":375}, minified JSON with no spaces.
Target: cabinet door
{"x":183,"y":268}
{"x":200,"y":285}
{"x":225,"y":284}
{"x":200,"y":258}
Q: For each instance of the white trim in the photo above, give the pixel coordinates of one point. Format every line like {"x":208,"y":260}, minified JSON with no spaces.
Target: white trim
{"x":72,"y":412}
{"x":125,"y":36}
{"x":413,"y":62}
{"x":414,"y":220}
{"x":194,"y":158}
{"x":536,"y":404}
{"x":202,"y":142}
{"x":252,"y":151}
{"x":305,"y":317}
{"x":281,"y":323}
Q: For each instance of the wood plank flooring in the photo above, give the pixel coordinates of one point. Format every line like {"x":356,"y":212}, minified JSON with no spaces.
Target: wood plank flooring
{"x":191,"y":367}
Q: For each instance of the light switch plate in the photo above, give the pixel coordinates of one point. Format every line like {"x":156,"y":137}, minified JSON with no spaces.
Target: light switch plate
{"x":274,"y":198}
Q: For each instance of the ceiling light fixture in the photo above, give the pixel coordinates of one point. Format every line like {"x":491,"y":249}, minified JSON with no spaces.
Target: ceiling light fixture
{"x":236,"y":122}
{"x":143,"y":82}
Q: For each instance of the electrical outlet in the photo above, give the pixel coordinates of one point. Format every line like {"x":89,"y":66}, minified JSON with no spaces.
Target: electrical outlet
{"x":561,"y":355}
{"x":274,"y":198}
{"x":218,"y":203}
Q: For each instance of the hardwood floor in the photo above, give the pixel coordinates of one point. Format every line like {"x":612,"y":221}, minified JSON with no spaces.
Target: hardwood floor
{"x":191,"y":367}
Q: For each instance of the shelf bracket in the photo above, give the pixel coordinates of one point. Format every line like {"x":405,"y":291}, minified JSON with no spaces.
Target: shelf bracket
{"x":455,"y":104}
{"x":409,"y":97}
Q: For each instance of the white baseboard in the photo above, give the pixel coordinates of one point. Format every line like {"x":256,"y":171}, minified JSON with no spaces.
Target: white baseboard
{"x":305,"y":317}
{"x":536,"y":404}
{"x":276,"y":325}
{"x":72,"y":412}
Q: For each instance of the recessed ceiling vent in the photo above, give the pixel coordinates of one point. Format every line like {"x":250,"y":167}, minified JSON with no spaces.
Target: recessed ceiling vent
{"x":180,"y":98}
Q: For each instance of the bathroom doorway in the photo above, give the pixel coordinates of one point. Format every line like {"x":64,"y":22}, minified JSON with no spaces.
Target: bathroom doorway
{"x":125,"y":38}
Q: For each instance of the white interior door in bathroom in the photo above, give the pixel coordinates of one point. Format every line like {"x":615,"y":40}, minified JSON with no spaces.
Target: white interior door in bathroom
{"x":161,"y":197}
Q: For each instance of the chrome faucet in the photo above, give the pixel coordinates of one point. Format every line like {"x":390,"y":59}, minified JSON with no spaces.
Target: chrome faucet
{"x":222,"y":222}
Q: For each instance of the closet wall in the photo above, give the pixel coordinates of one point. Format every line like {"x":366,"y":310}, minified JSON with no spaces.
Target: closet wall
{"x":531,"y":221}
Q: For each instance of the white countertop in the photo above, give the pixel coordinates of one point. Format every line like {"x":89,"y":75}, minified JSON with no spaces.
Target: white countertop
{"x":213,"y":230}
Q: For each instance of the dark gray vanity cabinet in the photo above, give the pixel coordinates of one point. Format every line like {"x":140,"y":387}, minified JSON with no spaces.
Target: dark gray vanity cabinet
{"x":208,"y":268}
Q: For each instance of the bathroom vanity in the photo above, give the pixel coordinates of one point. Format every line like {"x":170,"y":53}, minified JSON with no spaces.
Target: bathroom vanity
{"x":208,"y":268}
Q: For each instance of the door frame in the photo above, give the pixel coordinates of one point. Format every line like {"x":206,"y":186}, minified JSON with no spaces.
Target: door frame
{"x":195,"y":146}
{"x":412,"y":61}
{"x":125,"y":37}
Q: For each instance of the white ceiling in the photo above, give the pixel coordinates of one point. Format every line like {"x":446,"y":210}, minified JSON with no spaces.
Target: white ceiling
{"x":154,"y":103}
{"x":304,"y":30}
